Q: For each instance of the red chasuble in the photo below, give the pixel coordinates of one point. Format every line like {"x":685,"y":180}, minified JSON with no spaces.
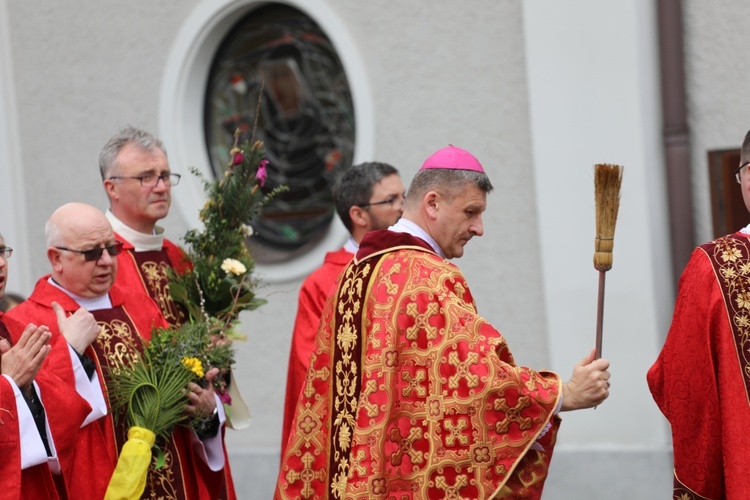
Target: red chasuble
{"x":412,"y":394}
{"x":312,"y":296}
{"x":701,"y":379}
{"x":125,"y":327}
{"x":34,"y":482}
{"x":148,"y":272}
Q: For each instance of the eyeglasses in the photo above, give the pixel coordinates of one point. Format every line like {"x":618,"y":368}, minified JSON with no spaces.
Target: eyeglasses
{"x":389,"y":201}
{"x":94,"y":254}
{"x":739,"y":171}
{"x":6,"y":252}
{"x":151,"y":180}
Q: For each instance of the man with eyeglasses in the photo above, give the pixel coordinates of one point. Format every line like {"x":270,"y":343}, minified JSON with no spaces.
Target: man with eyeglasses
{"x":83,"y":252}
{"x":367,"y":197}
{"x":36,"y":448}
{"x":413,"y":394}
{"x":701,"y":378}
{"x":138,"y":181}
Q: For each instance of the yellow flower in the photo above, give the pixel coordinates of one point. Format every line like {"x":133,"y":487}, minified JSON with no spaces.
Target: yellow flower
{"x":194,"y":365}
{"x":233,"y":266}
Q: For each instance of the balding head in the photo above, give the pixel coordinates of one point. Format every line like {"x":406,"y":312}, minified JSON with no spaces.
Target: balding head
{"x":76,"y":233}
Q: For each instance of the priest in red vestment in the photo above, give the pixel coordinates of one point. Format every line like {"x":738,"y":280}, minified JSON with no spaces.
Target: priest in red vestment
{"x":32,"y":445}
{"x":138,"y":181}
{"x":368,"y":196}
{"x":701,"y":379}
{"x":83,"y":253}
{"x":412,"y":394}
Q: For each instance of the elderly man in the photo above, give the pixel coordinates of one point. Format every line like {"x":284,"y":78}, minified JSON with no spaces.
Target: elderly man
{"x":368,"y":196}
{"x":82,"y":251}
{"x":33,"y":446}
{"x":413,"y":394}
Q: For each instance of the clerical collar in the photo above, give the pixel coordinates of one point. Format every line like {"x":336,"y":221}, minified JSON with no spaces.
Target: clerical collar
{"x":142,"y":242}
{"x":351,"y":246}
{"x":407,"y":226}
{"x":88,"y":303}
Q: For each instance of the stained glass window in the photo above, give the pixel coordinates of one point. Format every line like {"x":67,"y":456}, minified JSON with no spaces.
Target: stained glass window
{"x":277,"y":77}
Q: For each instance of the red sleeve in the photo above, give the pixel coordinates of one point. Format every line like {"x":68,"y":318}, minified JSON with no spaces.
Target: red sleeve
{"x":65,"y":409}
{"x":180,"y":261}
{"x":31,"y":311}
{"x":10,"y":465}
{"x":312,"y":297}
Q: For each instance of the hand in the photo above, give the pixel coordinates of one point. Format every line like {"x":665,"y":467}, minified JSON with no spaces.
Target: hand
{"x":23,"y":361}
{"x":202,"y":401}
{"x":589,"y":384}
{"x":80,"y":329}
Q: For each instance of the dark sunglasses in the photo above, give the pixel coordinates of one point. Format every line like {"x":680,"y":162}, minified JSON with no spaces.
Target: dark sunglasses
{"x":94,"y":254}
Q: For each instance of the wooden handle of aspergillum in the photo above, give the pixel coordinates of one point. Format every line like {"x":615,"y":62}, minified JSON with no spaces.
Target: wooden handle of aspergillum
{"x":603,"y":263}
{"x":600,"y":315}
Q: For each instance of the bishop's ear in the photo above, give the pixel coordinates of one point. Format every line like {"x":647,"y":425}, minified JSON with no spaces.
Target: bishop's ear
{"x":431,"y":203}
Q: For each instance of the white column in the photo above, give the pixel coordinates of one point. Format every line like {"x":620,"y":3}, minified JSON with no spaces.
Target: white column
{"x":594,"y":94}
{"x":12,"y":200}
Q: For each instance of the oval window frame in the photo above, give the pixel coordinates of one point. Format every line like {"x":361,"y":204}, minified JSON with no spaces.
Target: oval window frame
{"x":181,"y":107}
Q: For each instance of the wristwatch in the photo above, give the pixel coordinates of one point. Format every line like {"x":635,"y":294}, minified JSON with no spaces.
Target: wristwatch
{"x":209,"y":426}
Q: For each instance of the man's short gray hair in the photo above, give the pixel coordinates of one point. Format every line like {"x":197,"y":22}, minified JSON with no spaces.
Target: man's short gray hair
{"x":447,"y":181}
{"x":128,"y":135}
{"x":53,"y":234}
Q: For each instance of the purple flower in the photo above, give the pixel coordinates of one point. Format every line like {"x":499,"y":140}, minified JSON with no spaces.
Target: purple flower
{"x":262,"y":174}
{"x":224,"y":397}
{"x":238,"y":158}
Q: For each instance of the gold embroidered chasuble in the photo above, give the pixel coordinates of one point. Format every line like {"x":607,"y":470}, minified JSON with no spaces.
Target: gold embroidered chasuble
{"x":114,"y":347}
{"x":151,"y":268}
{"x":412,"y":395}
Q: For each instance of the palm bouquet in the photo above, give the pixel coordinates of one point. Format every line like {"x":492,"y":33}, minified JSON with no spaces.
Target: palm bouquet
{"x":217,"y":286}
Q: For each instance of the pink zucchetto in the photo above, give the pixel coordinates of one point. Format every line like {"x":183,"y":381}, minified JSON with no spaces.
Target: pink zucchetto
{"x":453,"y":158}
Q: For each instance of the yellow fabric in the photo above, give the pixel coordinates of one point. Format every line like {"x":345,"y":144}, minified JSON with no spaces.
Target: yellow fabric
{"x":129,"y":479}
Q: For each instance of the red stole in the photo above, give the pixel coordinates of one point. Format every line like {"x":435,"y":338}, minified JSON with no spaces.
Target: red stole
{"x":415,"y":396}
{"x":113,"y":347}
